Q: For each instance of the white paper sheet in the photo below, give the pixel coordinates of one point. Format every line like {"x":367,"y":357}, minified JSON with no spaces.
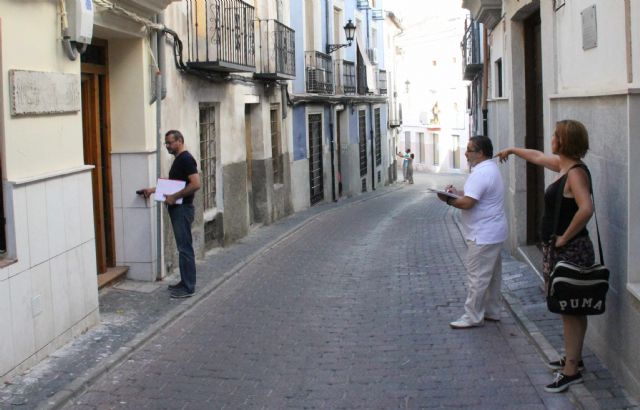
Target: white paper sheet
{"x":168,"y":187}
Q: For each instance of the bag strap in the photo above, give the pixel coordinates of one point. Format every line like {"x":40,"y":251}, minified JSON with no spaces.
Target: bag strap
{"x":556,"y":217}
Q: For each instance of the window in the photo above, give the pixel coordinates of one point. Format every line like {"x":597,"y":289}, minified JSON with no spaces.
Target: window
{"x":422,"y":148}
{"x":436,"y":149}
{"x":362,"y":133}
{"x":378,"y":137}
{"x":208,"y":154}
{"x":407,"y":140}
{"x":498,"y":77}
{"x":309,"y":25}
{"x":455,"y":151}
{"x":276,"y":146}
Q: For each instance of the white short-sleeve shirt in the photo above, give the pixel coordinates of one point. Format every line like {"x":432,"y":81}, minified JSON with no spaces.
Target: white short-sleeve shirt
{"x":486,"y":222}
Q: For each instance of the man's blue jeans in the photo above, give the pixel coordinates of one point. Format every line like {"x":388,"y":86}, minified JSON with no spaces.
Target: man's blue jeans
{"x":181,"y":220}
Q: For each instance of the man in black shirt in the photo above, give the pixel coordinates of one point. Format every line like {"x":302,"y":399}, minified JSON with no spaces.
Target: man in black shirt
{"x":184,"y":168}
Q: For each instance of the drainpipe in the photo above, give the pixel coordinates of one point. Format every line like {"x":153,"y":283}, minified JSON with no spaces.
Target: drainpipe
{"x":331,"y":139}
{"x":159,"y":96}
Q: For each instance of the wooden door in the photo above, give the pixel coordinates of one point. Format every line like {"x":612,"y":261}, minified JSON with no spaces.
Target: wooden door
{"x":97,"y":150}
{"x":535,"y":128}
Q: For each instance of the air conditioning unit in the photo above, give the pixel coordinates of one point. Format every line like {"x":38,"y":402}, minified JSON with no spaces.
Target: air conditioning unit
{"x":80,"y":18}
{"x":363,"y":4}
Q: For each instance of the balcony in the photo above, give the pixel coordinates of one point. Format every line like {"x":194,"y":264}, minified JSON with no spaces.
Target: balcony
{"x":345,"y":77}
{"x":377,"y":14}
{"x":276,"y":50}
{"x":363,"y":4}
{"x":220,"y":36}
{"x":382,"y":81}
{"x":487,"y":12}
{"x":471,"y":56}
{"x":319,"y":74}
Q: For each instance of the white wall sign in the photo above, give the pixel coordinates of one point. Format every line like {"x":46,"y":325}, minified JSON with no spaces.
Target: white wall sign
{"x":36,"y":92}
{"x":589,"y":28}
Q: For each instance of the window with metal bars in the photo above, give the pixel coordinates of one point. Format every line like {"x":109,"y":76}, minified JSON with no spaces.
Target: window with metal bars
{"x":208,"y":154}
{"x":362,"y":143}
{"x":378,"y":136}
{"x":276,"y":146}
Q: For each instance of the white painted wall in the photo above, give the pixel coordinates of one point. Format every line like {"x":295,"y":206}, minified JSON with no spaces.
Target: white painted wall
{"x":36,"y":145}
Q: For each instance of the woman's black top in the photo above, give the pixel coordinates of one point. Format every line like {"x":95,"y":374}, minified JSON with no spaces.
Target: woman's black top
{"x":568,"y":208}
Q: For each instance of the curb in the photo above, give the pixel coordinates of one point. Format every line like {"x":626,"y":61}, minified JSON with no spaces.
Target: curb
{"x":81,"y":383}
{"x":579,"y":394}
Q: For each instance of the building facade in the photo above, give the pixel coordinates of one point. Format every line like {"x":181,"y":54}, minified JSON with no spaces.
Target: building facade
{"x":340,"y":145}
{"x":433,"y":93}
{"x":549,"y":61}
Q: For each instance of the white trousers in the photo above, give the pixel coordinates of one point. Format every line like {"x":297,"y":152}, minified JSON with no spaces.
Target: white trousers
{"x":484,"y":279}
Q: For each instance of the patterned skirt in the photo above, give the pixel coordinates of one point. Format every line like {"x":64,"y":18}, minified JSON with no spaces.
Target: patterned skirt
{"x":579,"y":251}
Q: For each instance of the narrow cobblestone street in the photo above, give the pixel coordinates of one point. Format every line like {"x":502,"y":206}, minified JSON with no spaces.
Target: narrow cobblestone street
{"x":351,"y":311}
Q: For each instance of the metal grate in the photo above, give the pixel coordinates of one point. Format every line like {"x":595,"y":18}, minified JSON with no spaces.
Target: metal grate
{"x":471,"y":58}
{"x":315,"y":159}
{"x":276,"y":146}
{"x":319,"y":72}
{"x":362,"y":141}
{"x":208,"y":154}
{"x":378,"y":137}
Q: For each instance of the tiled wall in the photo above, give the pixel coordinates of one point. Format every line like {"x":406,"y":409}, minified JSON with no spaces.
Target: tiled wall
{"x":52,"y":286}
{"x":134,"y":216}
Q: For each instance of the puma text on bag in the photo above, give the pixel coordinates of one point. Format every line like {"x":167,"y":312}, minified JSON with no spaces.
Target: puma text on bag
{"x":574,"y":290}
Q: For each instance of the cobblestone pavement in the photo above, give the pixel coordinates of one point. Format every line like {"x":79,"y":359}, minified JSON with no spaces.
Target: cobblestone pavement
{"x":341,"y":309}
{"x":351,"y":311}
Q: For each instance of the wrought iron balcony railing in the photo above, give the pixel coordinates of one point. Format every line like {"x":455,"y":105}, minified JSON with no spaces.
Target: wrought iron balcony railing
{"x":471,"y":57}
{"x":345,"y":77}
{"x":319,"y":74}
{"x":276,"y":50}
{"x":220,"y":35}
{"x":382,"y":81}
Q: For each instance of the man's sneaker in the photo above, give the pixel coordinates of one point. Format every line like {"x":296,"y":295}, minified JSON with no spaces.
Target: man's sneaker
{"x":175,"y":286}
{"x":559,"y":364}
{"x":181,"y":293}
{"x":463,"y":323}
{"x":562,"y":382}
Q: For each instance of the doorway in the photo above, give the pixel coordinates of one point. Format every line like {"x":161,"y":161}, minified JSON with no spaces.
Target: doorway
{"x":339,"y":118}
{"x":249,"y":148}
{"x":97,"y":152}
{"x":316,"y":183}
{"x":534,"y":138}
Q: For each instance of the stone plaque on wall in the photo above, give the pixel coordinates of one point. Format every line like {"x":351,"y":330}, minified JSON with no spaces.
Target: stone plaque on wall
{"x":589,"y":28}
{"x":37,"y":92}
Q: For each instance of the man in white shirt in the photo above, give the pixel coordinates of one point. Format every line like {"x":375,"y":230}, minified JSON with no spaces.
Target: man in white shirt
{"x":485,"y":228}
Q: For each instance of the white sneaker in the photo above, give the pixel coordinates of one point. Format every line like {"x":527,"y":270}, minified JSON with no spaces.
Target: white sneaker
{"x":464,"y":323}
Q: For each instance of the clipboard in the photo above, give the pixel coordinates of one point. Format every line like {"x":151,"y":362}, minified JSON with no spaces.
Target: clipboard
{"x":167,"y":187}
{"x":445,"y":193}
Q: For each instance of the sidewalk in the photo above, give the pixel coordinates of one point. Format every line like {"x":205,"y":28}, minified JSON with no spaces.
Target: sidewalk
{"x":132,"y":312}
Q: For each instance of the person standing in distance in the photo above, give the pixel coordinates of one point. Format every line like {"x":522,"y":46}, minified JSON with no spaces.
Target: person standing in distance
{"x":485,"y":228}
{"x":184,"y":168}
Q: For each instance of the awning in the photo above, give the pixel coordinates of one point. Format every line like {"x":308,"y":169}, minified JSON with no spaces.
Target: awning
{"x":369,"y":69}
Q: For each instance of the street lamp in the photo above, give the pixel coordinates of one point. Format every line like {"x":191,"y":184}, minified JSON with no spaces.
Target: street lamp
{"x":349,"y":32}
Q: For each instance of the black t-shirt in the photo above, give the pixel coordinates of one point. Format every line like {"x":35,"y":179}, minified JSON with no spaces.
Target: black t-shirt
{"x":183,"y":166}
